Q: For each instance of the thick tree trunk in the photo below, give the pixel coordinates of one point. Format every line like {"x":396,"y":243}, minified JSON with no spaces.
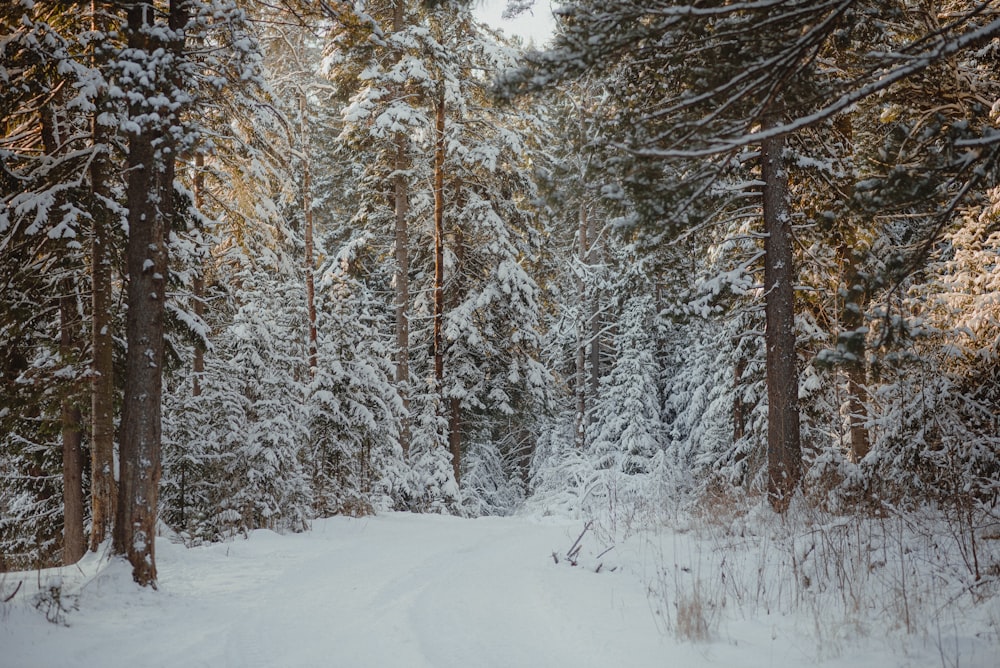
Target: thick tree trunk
{"x":74,"y":543}
{"x":402,"y":277}
{"x":103,"y":491}
{"x":784,"y":455}
{"x":150,"y":203}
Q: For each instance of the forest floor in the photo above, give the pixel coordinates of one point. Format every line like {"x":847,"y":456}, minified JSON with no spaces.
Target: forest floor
{"x":414,"y":591}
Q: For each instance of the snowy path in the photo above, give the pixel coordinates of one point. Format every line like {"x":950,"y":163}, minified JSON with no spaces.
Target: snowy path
{"x":397,"y":590}
{"x":421,"y":591}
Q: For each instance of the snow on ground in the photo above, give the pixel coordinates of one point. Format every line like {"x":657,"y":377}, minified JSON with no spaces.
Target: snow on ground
{"x":416,"y":591}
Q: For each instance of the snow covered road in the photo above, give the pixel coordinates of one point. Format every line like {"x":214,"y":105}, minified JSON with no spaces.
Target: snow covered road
{"x":396,"y":590}
{"x":426,"y":591}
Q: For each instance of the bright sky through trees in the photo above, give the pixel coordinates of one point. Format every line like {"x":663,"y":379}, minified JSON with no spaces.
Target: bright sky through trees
{"x":535,"y":24}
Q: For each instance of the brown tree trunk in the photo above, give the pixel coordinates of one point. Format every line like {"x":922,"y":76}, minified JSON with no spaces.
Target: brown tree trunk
{"x":853,"y":344}
{"x":103,"y":491}
{"x":455,"y":412}
{"x":581,"y":341}
{"x":74,"y":543}
{"x":455,"y":437}
{"x":402,"y":277}
{"x":784,"y":455}
{"x":439,"y":156}
{"x":857,"y":396}
{"x":595,"y":311}
{"x":308,"y":233}
{"x":439,"y":152}
{"x":150,"y":204}
{"x":198,"y":287}
{"x":739,"y":411}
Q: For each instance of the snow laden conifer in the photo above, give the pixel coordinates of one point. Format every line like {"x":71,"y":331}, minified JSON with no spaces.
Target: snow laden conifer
{"x":354,"y":460}
{"x":446,"y":182}
{"x":51,"y":75}
{"x":261,"y":401}
{"x":627,"y":440}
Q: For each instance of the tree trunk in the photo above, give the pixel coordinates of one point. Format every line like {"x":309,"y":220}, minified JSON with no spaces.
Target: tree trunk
{"x":439,"y":155}
{"x":103,"y":490}
{"x":581,"y":341}
{"x":439,"y":151}
{"x":455,"y":437}
{"x":150,"y":204}
{"x":455,"y":412}
{"x":308,"y":233}
{"x":739,"y":410}
{"x":783,"y":445}
{"x":402,"y":277}
{"x":595,"y":311}
{"x":198,"y":286}
{"x":73,"y":540}
{"x":852,"y":343}
{"x":857,"y":396}
{"x":74,"y":543}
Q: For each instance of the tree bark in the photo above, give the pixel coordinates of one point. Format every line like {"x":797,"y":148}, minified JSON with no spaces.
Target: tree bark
{"x":198,"y":286}
{"x":455,"y":412}
{"x":402,"y":277}
{"x":852,"y":343}
{"x":595,"y":311}
{"x":103,"y":489}
{"x":439,"y":152}
{"x":439,"y":156}
{"x":784,"y":455}
{"x":581,"y":340}
{"x":308,"y":233}
{"x":74,"y":542}
{"x":150,"y":203}
{"x":739,"y":410}
{"x":455,"y":437}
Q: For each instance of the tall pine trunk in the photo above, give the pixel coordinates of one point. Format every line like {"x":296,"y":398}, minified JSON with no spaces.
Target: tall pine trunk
{"x":595,"y":312}
{"x":150,"y":203}
{"x":784,"y":455}
{"x":852,"y":340}
{"x":455,"y":412}
{"x":308,"y":234}
{"x":103,"y":489}
{"x":198,"y":286}
{"x":580,"y":426}
{"x":438,"y":343}
{"x":402,"y":277}
{"x":74,"y":543}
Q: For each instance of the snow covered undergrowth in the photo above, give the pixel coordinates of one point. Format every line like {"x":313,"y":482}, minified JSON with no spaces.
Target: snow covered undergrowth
{"x":422,"y":590}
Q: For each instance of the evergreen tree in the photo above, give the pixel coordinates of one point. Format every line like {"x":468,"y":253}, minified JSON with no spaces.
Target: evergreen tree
{"x":695,"y":88}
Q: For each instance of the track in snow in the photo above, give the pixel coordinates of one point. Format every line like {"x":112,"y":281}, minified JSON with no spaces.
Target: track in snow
{"x":395,"y":590}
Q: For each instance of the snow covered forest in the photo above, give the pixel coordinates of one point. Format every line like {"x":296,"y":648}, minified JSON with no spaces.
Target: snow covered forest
{"x":723,"y":268}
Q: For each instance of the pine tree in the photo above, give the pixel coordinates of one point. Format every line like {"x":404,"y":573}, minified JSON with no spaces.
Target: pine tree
{"x":696,"y":88}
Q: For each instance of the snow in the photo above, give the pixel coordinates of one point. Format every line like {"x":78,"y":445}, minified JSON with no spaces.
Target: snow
{"x":435,"y":591}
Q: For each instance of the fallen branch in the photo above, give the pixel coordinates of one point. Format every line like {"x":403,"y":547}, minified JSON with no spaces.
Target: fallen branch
{"x":14,"y":593}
